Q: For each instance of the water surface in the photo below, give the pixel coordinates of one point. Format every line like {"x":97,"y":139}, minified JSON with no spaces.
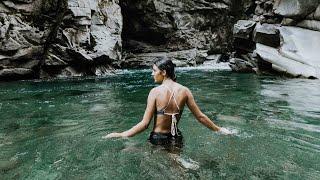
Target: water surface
{"x":53,"y":129}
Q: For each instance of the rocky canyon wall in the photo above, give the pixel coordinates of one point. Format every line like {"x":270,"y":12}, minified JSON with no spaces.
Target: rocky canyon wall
{"x":183,"y":30}
{"x":280,"y":37}
{"x":50,"y":38}
{"x":53,"y":38}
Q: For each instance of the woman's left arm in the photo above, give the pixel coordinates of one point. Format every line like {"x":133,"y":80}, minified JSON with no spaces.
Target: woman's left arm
{"x":144,"y":123}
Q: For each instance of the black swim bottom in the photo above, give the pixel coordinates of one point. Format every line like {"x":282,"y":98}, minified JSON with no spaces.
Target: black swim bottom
{"x":166,"y":140}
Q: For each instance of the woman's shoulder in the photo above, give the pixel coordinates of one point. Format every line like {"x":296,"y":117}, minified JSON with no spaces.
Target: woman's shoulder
{"x":178,"y":87}
{"x":182,"y":87}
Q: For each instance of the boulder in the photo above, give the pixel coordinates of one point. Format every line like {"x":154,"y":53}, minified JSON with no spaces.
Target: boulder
{"x":288,"y":22}
{"x":267,"y":34}
{"x":316,"y":14}
{"x":252,"y":58}
{"x":298,"y":55}
{"x":309,"y":24}
{"x":301,"y":45}
{"x":286,"y":65}
{"x":295,"y":8}
{"x":215,"y":57}
{"x":8,"y":74}
{"x":240,"y":65}
{"x":243,"y":29}
{"x":244,"y":45}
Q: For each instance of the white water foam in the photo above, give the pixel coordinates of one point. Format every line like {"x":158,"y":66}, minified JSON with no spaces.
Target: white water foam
{"x":186,"y":163}
{"x":207,"y":65}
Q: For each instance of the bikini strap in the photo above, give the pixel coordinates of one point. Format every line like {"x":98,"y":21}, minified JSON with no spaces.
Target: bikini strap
{"x":174,"y":129}
{"x":174,"y":98}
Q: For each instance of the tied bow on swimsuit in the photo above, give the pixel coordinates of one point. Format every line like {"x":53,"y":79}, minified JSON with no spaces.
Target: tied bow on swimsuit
{"x":174,"y":129}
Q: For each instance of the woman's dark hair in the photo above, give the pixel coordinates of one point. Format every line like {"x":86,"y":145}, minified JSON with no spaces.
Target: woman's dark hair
{"x":168,"y":66}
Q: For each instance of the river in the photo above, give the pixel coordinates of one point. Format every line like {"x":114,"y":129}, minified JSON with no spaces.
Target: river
{"x":52,"y":129}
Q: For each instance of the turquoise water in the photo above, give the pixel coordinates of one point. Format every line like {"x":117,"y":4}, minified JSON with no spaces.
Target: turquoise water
{"x":53,"y":129}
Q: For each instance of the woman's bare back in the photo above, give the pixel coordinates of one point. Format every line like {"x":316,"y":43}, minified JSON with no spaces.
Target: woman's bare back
{"x":162,"y":122}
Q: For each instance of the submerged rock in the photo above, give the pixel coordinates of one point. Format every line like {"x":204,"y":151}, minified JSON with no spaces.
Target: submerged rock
{"x":6,"y":165}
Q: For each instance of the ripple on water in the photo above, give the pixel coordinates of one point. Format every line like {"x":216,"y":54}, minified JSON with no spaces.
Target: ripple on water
{"x":290,"y":125}
{"x":98,"y":108}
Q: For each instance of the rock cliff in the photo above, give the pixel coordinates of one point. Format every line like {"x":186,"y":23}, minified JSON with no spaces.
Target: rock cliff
{"x":282,"y":37}
{"x":49,"y":38}
{"x":178,"y":28}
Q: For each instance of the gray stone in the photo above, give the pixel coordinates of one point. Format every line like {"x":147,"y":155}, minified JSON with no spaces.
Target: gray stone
{"x":298,"y":55}
{"x":310,"y":24}
{"x":300,"y":44}
{"x":316,"y":14}
{"x":10,"y":45}
{"x":9,"y":4}
{"x":54,"y":60}
{"x":73,"y":3}
{"x":243,"y":29}
{"x":266,"y":34}
{"x":295,"y":8}
{"x":70,"y":72}
{"x":288,"y":22}
{"x":214,"y":57}
{"x":3,"y":9}
{"x":31,"y":64}
{"x":251,"y":58}
{"x":286,"y":65}
{"x":244,"y":45}
{"x":240,"y":65}
{"x":81,"y":12}
{"x":27,"y":53}
{"x":16,"y":73}
{"x":106,"y":43}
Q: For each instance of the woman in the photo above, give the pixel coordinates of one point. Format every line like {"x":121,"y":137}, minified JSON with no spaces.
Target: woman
{"x":166,"y":103}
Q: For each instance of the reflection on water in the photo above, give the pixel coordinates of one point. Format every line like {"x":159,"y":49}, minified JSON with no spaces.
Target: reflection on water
{"x":53,"y":129}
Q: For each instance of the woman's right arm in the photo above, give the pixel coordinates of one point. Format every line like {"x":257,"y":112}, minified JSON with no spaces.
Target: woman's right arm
{"x":202,"y":118}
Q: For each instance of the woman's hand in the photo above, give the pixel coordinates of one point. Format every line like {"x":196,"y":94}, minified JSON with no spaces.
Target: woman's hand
{"x":113,"y":135}
{"x":224,"y":131}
